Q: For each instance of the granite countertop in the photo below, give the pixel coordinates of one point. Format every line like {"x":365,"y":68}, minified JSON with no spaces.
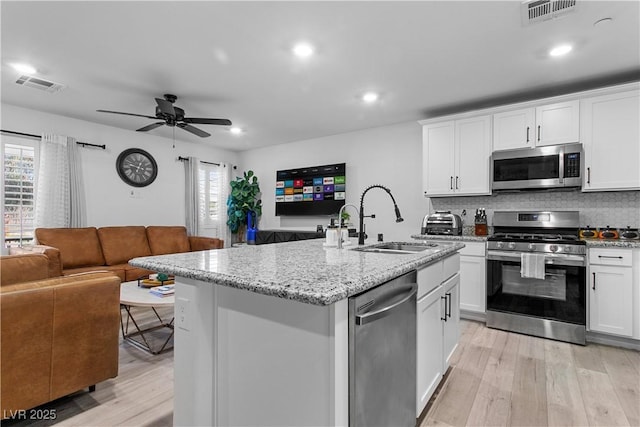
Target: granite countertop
{"x":304,"y":271}
{"x":598,"y":243}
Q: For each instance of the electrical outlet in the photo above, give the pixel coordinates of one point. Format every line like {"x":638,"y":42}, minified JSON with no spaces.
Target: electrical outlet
{"x":182,"y":308}
{"x":135,"y":194}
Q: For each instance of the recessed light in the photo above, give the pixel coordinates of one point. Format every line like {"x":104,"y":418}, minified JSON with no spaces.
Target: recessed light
{"x":24,"y":68}
{"x":370,"y":97}
{"x":236,"y":130}
{"x":303,"y":50}
{"x":560,"y":50}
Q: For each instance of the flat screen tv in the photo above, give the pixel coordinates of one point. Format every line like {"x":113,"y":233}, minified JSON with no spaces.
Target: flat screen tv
{"x":315,"y":190}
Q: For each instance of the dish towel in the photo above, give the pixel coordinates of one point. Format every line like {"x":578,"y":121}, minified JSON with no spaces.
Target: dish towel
{"x":532,"y":266}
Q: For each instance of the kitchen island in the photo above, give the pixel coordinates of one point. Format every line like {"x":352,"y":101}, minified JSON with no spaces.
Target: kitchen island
{"x":261,"y":331}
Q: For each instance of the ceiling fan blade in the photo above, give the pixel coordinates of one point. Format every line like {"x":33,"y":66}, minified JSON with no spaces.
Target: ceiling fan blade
{"x":166,"y":107}
{"x":126,"y":114}
{"x":223,"y":122}
{"x":150,"y":127}
{"x":194,"y":130}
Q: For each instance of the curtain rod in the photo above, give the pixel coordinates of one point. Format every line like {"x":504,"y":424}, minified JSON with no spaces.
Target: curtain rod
{"x":184,"y":159}
{"x":30,"y":135}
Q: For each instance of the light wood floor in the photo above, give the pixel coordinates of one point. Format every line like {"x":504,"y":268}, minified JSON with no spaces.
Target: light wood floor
{"x":497,"y":378}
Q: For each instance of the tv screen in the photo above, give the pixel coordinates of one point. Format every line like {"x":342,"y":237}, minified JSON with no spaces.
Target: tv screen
{"x":316,"y":190}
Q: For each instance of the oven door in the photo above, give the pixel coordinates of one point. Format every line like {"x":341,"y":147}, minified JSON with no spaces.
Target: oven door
{"x":560,"y":296}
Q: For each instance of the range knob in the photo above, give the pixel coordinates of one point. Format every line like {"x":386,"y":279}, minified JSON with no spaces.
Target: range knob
{"x":512,"y":245}
{"x":499,"y":245}
{"x":568,"y":249}
{"x":553,"y":248}
{"x":532,"y":246}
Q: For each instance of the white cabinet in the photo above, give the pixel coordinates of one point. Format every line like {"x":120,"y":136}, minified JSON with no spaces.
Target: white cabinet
{"x":550,"y":124}
{"x":473,"y":277}
{"x":611,"y":139}
{"x":611,"y":291}
{"x":438,"y":325}
{"x":456,"y":157}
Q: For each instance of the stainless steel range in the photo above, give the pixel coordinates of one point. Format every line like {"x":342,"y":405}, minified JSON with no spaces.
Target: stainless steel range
{"x":536,"y":275}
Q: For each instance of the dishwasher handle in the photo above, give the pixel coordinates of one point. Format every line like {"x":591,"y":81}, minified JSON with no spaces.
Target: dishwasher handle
{"x":363,"y":319}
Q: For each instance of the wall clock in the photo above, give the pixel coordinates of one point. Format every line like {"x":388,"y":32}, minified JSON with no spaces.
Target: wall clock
{"x":136,"y":167}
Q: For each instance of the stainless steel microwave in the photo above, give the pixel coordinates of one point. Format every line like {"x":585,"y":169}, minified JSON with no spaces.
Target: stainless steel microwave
{"x":554,"y":166}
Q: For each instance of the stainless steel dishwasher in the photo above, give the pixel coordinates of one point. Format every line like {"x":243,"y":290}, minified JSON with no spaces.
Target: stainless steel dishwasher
{"x":382,"y":354}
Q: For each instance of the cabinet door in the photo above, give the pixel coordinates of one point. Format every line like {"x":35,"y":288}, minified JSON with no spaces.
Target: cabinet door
{"x":611,"y":135}
{"x":429,"y":346}
{"x":558,"y":123}
{"x":472,"y":283}
{"x":451,"y":330}
{"x":513,"y":129}
{"x":437,"y":158}
{"x":472,"y":155}
{"x":611,"y":300}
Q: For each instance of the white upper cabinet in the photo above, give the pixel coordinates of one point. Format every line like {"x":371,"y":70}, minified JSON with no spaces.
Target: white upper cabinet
{"x":456,"y":157}
{"x":611,"y":140}
{"x":551,"y":124}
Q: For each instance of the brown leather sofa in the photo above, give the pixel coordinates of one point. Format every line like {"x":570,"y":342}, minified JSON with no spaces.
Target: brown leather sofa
{"x":58,"y":335}
{"x":78,"y":250}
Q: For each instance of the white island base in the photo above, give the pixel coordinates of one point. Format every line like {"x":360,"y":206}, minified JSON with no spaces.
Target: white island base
{"x":243,"y":358}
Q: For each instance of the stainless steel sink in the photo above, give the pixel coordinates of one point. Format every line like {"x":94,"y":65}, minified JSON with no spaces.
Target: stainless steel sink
{"x":398,"y":248}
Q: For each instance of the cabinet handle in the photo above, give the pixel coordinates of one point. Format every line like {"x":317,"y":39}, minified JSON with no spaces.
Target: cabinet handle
{"x":538,"y":132}
{"x":594,"y":281}
{"x":451,"y":185}
{"x":457,"y":183}
{"x":606,"y":256}
{"x":589,"y":175}
{"x":448,"y":295}
{"x":527,"y":134}
{"x":445,"y":308}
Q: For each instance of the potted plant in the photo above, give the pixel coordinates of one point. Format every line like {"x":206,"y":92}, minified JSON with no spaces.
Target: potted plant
{"x":243,"y":198}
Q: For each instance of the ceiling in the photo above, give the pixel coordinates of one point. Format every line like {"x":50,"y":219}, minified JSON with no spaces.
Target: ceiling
{"x":233,"y":60}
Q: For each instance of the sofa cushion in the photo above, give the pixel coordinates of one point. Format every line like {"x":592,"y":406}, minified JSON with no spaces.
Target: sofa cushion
{"x":167,"y":240}
{"x":23,"y":268}
{"x":78,"y":247}
{"x":120,"y":244}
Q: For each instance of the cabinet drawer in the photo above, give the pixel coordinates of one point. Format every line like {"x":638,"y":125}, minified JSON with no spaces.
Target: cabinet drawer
{"x":473,"y":249}
{"x":451,"y":266}
{"x":621,"y":257}
{"x":429,"y":278}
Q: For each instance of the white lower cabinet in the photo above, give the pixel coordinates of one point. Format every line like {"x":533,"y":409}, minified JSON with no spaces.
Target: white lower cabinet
{"x":611,"y":291}
{"x":438,"y":325}
{"x":473,"y":277}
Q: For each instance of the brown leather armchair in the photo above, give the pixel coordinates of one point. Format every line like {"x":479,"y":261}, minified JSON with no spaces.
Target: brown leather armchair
{"x":58,"y":335}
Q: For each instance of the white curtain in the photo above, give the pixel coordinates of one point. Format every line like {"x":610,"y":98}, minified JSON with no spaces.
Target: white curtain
{"x":226,"y":173}
{"x":60,"y":200}
{"x":191,"y":195}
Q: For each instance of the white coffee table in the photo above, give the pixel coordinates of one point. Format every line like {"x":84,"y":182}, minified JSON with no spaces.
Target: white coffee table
{"x":132,"y":295}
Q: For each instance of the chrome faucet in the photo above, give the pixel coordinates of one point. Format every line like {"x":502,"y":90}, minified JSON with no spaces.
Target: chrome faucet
{"x":340,"y":222}
{"x":361,"y":233}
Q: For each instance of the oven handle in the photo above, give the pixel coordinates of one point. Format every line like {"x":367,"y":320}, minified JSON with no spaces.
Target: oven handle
{"x":552,"y":259}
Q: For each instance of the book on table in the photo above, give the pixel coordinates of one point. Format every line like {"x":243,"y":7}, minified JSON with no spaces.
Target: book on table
{"x":163,"y":291}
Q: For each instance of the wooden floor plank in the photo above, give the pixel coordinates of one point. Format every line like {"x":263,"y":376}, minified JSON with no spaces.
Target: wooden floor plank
{"x":600,"y":400}
{"x":588,"y":357}
{"x":625,"y":379}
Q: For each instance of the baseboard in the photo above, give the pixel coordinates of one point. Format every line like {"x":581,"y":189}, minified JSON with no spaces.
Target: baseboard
{"x":473,"y":315}
{"x":613,"y":340}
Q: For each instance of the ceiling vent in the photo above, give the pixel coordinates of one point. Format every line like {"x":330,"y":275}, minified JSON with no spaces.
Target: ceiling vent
{"x":543,"y":10}
{"x":41,"y":84}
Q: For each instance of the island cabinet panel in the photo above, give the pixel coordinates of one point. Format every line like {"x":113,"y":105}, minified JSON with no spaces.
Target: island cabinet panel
{"x":268,"y":360}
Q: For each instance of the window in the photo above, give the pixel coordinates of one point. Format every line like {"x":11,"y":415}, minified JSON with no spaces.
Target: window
{"x":18,"y":191}
{"x":210,"y":204}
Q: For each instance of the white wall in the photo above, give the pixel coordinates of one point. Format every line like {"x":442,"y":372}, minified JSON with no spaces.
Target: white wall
{"x":109,"y":200}
{"x":390,"y":156}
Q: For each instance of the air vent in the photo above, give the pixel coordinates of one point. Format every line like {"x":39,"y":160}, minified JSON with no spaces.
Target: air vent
{"x":543,"y":10}
{"x":41,"y":84}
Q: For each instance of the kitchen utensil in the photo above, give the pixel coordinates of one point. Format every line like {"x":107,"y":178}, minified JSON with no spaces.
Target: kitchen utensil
{"x":588,"y":233}
{"x":608,"y":233}
{"x":629,"y":233}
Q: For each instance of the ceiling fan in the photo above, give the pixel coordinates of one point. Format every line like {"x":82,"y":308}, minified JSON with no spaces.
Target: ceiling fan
{"x":174,"y":116}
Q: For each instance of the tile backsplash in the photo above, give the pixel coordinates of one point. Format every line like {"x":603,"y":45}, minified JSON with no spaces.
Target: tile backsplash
{"x":615,"y":208}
